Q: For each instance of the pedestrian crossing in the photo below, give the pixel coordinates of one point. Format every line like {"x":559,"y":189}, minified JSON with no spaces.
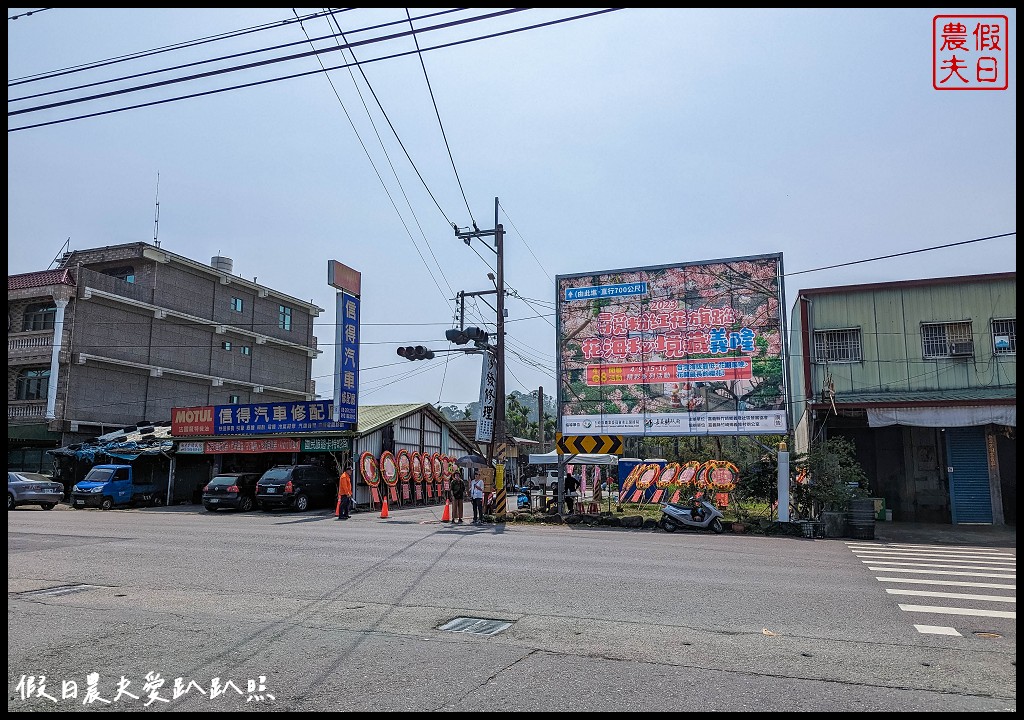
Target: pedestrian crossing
{"x":939,"y":583}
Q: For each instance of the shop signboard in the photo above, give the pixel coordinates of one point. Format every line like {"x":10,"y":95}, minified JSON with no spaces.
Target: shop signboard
{"x":263,"y":445}
{"x":306,"y":416}
{"x":326,"y":445}
{"x":347,"y":362}
{"x":488,"y":389}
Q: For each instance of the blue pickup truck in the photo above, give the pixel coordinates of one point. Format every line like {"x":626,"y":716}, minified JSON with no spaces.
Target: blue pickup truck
{"x":107,"y":486}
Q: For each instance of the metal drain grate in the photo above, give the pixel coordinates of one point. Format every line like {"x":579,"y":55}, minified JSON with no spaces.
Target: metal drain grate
{"x":58,"y":590}
{"x":476,"y":626}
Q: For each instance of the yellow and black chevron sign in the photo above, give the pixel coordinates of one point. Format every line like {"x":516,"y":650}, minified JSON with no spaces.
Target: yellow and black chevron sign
{"x":596,"y":444}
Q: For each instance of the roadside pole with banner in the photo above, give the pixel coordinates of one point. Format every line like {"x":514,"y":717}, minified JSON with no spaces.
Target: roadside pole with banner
{"x":500,"y":498}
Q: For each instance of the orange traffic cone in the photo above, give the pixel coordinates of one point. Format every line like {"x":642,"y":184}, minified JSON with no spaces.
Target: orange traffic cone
{"x":384,"y":507}
{"x":337,"y":508}
{"x":447,"y":515}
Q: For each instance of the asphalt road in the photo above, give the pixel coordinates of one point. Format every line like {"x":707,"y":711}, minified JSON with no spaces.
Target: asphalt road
{"x":347,"y":615}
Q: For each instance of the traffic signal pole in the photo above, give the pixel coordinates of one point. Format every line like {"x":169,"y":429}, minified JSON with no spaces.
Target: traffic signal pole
{"x":496,"y":449}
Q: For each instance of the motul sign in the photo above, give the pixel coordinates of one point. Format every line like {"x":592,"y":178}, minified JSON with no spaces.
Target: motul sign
{"x":192,"y":421}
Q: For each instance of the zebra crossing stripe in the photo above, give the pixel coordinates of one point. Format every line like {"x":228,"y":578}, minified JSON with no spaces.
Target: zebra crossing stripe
{"x":960,"y":557}
{"x":952,"y":596}
{"x":974,"y":612}
{"x":937,"y":565}
{"x":937,"y":630}
{"x":953,"y":583}
{"x":943,"y":572}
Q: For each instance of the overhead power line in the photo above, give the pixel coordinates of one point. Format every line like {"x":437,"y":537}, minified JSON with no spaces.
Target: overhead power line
{"x":440,"y":124}
{"x":302,"y":74}
{"x":26,"y":14}
{"x":256,"y":64}
{"x":908,"y":252}
{"x":155,"y":51}
{"x":337,"y":95}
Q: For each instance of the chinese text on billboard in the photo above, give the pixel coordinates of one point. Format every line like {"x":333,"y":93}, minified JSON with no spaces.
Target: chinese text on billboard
{"x":687,"y":349}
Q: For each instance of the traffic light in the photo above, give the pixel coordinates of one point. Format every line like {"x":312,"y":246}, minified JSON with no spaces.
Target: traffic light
{"x":461,"y":337}
{"x":418,"y":352}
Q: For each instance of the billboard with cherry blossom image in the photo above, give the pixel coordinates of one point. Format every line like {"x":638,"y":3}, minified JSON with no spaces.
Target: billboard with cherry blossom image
{"x":689,"y":349}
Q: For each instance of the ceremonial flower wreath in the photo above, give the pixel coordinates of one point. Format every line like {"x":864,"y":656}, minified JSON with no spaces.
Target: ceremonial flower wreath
{"x":368,"y":468}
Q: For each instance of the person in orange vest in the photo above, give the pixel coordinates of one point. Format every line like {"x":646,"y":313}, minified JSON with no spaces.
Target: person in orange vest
{"x":345,"y":495}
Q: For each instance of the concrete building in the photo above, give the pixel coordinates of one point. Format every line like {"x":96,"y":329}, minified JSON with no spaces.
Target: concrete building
{"x":117,"y":336}
{"x":922,"y":376}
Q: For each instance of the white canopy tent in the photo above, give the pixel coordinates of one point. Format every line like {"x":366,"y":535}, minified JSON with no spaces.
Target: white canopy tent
{"x":551,"y":458}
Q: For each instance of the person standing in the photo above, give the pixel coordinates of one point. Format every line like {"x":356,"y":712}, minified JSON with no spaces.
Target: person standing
{"x":345,"y":495}
{"x":476,"y":496}
{"x":458,"y":491}
{"x":572,"y":485}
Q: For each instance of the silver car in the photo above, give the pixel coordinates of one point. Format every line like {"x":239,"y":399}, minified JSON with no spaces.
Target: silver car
{"x":27,"y":488}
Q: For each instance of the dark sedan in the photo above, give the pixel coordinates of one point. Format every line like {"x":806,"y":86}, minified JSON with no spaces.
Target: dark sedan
{"x":27,"y":488}
{"x":236,"y":491}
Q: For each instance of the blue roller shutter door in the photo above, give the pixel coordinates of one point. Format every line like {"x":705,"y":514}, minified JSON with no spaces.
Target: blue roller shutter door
{"x":969,"y":495}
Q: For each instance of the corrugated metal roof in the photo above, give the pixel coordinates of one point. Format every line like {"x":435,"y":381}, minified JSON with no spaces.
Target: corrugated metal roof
{"x":933,"y":397}
{"x":372,"y":417}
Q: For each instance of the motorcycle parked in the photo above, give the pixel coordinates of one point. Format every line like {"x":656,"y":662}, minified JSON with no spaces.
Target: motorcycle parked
{"x":698,"y":514}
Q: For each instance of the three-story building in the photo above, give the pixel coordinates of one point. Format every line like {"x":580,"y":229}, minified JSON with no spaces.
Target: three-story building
{"x":119,"y":335}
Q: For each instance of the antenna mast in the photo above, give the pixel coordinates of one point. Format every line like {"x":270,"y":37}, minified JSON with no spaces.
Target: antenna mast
{"x":60,"y":253}
{"x":156,"y":214}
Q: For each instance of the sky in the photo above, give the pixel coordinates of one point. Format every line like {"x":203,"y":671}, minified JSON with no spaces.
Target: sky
{"x":629,"y":138}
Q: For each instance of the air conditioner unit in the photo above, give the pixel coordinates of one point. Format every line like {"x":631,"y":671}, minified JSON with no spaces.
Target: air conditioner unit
{"x":962,"y":349}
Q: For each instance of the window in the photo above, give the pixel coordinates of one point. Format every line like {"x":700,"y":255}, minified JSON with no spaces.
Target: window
{"x":233,"y":399}
{"x":942,"y":340}
{"x":126,"y":273}
{"x":39,"y":316}
{"x":1004,"y":337}
{"x":837,"y":345}
{"x":236,"y":304}
{"x":284,"y":317}
{"x":226,"y":345}
{"x":33,"y":384}
{"x":245,"y":349}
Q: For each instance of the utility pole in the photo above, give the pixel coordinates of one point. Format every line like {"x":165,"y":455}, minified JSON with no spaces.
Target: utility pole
{"x":540,"y":417}
{"x":496,"y":449}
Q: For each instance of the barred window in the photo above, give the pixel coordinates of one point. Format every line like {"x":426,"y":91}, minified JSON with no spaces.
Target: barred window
{"x":837,"y":345}
{"x":1004,"y":337}
{"x":942,"y":340}
{"x":32,"y":384}
{"x":40,"y":316}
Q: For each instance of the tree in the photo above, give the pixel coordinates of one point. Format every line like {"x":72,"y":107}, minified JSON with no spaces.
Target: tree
{"x":517,"y":421}
{"x":832,"y":476}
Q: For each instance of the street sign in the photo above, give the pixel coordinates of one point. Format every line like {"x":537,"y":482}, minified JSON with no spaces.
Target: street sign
{"x":487,"y":475}
{"x":588,"y":444}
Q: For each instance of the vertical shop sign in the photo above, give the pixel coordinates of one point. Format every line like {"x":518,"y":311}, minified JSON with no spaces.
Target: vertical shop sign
{"x":488,"y":389}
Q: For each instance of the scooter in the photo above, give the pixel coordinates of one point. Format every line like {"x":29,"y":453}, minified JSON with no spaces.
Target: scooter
{"x":523,"y":500}
{"x":698,"y":514}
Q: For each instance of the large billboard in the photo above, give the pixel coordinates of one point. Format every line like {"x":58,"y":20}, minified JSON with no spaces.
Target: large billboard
{"x":688,"y":349}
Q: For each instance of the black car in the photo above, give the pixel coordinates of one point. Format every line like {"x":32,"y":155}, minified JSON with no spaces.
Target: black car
{"x":231,"y":490}
{"x":296,"y":486}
